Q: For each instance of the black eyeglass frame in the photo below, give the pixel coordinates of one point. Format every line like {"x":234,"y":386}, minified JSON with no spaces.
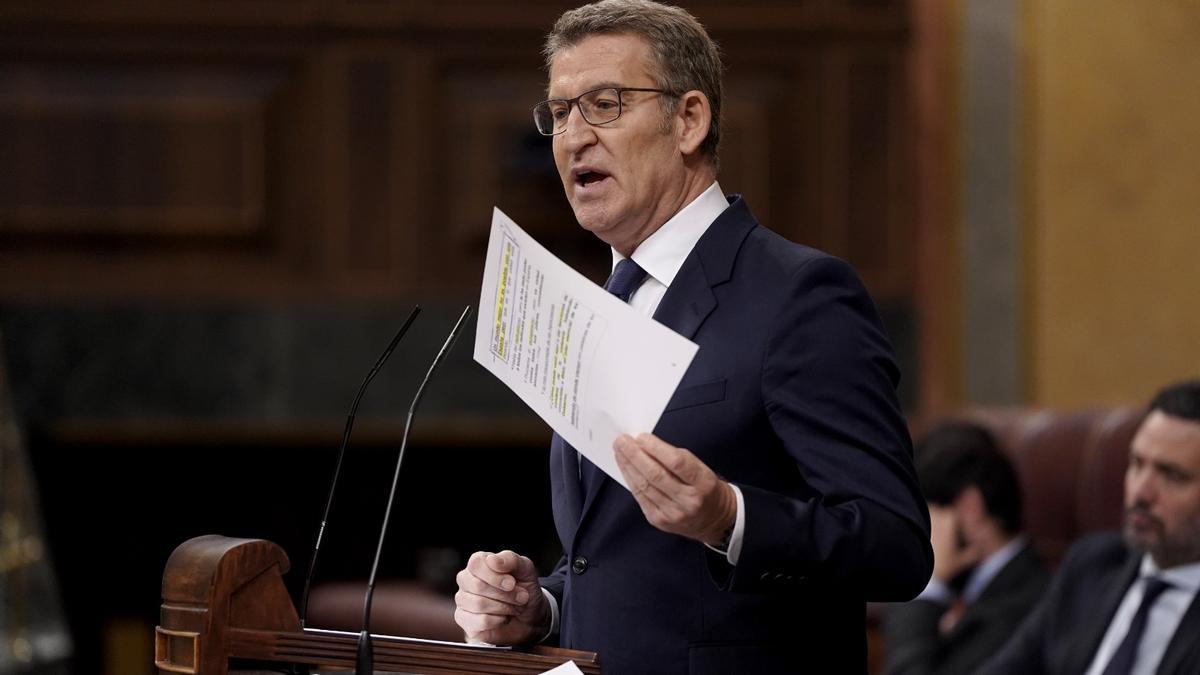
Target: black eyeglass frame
{"x":574,"y":103}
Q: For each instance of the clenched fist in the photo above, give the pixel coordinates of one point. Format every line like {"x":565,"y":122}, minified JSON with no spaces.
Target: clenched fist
{"x":499,"y":600}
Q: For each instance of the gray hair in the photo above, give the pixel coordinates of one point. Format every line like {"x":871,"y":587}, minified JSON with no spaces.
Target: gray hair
{"x":686,"y":58}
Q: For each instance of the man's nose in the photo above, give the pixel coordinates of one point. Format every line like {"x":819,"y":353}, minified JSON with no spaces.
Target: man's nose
{"x":1141,"y":487}
{"x":578,"y":133}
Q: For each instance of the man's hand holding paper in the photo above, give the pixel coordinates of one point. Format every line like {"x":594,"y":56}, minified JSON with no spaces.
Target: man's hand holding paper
{"x":676,"y":491}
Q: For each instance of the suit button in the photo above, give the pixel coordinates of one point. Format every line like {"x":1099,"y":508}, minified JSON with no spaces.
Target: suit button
{"x":579,"y":565}
{"x":780,"y":577}
{"x":765,"y":576}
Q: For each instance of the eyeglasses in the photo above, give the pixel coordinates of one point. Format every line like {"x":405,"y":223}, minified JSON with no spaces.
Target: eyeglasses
{"x":598,"y":106}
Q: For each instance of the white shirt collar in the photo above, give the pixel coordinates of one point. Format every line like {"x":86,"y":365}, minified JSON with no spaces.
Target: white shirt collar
{"x":1182,"y":577}
{"x":991,"y":566}
{"x":662,"y":253}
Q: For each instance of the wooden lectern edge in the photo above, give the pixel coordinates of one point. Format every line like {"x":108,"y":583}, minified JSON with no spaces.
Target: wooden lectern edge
{"x":225,"y":599}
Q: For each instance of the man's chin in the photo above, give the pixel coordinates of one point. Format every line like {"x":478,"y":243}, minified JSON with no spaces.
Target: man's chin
{"x":1135,"y":541}
{"x":592,"y":218}
{"x":1142,"y":540}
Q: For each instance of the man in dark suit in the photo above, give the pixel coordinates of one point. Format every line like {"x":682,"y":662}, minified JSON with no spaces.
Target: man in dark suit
{"x":777,"y":492}
{"x":986,"y":576}
{"x":1128,"y":605}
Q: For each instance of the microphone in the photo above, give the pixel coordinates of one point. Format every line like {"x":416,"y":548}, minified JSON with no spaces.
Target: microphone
{"x":337,"y":470}
{"x":365,"y":659}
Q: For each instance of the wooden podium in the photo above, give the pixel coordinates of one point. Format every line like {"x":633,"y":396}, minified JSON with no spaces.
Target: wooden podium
{"x":225,"y":599}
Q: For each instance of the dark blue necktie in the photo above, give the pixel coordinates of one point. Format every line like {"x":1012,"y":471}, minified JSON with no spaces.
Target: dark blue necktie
{"x":1122,"y":661}
{"x":624,"y":281}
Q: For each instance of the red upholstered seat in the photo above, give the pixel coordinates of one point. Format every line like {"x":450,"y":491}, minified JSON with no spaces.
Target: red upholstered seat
{"x":404,"y":608}
{"x":1102,"y":470}
{"x":1071,"y":465}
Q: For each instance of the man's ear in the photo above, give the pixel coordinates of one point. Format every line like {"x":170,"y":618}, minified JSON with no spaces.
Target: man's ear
{"x":693,"y":117}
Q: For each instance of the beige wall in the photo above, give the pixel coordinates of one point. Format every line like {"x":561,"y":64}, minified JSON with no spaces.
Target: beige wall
{"x":1112,"y":208}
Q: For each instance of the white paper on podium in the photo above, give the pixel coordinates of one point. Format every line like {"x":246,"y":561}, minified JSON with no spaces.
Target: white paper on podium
{"x":588,"y":364}
{"x":568,"y":668}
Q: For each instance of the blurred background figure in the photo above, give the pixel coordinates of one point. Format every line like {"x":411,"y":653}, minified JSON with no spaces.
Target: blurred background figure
{"x":986,"y":576}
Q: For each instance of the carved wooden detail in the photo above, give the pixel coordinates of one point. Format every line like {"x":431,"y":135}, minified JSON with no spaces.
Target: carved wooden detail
{"x":120,"y":151}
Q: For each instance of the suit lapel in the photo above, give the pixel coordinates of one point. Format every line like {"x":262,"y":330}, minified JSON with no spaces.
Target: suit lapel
{"x":1181,"y":655}
{"x":690,"y":299}
{"x":1083,"y":650}
{"x":687,"y":303}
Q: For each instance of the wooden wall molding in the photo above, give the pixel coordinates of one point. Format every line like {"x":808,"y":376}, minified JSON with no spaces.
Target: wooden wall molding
{"x":355,"y":149}
{"x":844,"y":17}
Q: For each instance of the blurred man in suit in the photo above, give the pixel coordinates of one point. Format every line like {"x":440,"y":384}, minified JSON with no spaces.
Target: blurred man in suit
{"x":986,"y":576}
{"x":777,"y":492}
{"x":1128,"y":605}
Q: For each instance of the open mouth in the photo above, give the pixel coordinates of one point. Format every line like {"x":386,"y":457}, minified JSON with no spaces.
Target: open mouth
{"x":587,"y":178}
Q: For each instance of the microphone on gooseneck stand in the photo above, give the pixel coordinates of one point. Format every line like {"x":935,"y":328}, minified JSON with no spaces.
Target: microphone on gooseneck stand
{"x":337,"y":470}
{"x":365,"y":661}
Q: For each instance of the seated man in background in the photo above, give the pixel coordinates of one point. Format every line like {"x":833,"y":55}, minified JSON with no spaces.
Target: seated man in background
{"x":986,"y":577}
{"x":1127,"y":605}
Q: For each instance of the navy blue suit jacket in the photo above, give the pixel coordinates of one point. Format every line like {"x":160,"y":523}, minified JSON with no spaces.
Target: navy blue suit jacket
{"x":1064,"y":631}
{"x":792,"y":398}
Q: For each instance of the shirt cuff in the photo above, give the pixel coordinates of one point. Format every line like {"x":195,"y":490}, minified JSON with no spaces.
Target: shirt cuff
{"x":936,"y":591}
{"x":739,"y":529}
{"x":553,"y":616}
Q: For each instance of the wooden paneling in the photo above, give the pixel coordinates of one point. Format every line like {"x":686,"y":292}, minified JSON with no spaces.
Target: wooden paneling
{"x":120,"y":150}
{"x":879,"y":172}
{"x":496,"y":157}
{"x":131,"y":169}
{"x":369,"y":138}
{"x":355,"y":149}
{"x":747,"y":160}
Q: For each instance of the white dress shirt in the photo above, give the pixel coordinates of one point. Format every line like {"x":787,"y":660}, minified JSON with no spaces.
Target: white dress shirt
{"x":1165,"y":615}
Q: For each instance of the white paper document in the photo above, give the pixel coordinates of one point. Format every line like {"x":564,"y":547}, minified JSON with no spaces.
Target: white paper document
{"x":590,"y":365}
{"x":568,"y":668}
